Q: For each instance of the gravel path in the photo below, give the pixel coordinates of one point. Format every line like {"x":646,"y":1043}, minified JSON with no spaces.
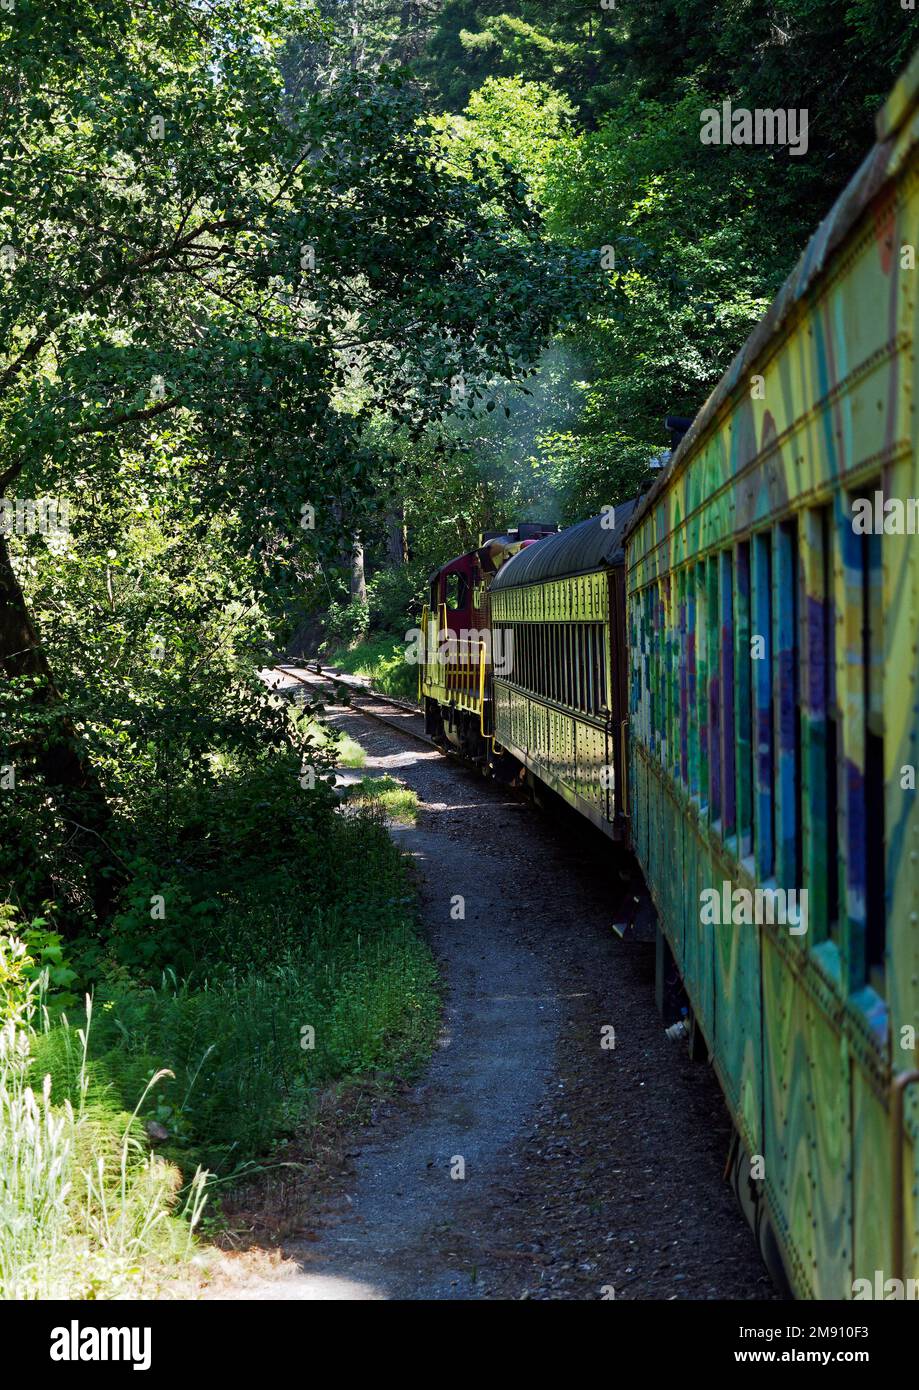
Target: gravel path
{"x":585,"y":1170}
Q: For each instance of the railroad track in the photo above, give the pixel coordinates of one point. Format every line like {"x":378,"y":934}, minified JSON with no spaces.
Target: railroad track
{"x":319,"y":679}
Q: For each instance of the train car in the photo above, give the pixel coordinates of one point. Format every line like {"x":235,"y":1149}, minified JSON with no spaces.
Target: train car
{"x":773,"y":595}
{"x":558,"y":614}
{"x":456,"y":654}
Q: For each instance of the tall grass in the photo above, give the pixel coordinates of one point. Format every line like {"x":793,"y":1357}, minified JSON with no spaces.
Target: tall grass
{"x":395,"y":801}
{"x":85,"y":1212}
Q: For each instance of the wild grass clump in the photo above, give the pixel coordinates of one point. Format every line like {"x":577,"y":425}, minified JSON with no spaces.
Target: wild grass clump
{"x":397,"y":803}
{"x":86,"y":1211}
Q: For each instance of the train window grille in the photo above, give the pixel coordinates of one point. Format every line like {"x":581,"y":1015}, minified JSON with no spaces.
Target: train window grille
{"x":563,"y":663}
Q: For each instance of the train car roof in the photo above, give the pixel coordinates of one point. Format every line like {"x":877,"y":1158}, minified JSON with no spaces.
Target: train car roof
{"x":880,"y":165}
{"x":581,"y":549}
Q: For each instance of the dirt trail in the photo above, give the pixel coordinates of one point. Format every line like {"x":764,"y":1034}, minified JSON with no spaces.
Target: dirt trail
{"x":586,"y":1169}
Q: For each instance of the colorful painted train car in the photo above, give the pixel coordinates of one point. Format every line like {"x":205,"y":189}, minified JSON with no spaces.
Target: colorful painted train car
{"x":773,"y":607}
{"x":728,"y":678}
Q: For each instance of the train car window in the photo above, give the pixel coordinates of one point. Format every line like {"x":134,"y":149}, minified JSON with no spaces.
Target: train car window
{"x":872,"y":585}
{"x":702,"y":623}
{"x":566,"y":663}
{"x":728,"y":767}
{"x":577,"y":644}
{"x":787,"y":707}
{"x":552,"y":660}
{"x":673,"y":670}
{"x":763,"y":717}
{"x":569,"y":665}
{"x":564,"y":668}
{"x":654,"y":668}
{"x":647,"y":659}
{"x":668,"y":673}
{"x":587,"y":672}
{"x":590,"y":703}
{"x":692,"y":704}
{"x":661,"y":672}
{"x":600,"y":668}
{"x":683,"y":675}
{"x":663,"y":667}
{"x":820,"y":847}
{"x":552,"y":667}
{"x":456,"y":592}
{"x":713,"y":661}
{"x":834,"y":859}
{"x":743,"y":711}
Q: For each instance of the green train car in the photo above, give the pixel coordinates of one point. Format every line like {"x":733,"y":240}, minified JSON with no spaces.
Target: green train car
{"x":772,"y":580}
{"x":724,"y":674}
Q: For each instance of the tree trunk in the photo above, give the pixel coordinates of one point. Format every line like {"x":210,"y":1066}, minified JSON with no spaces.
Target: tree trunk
{"x":358,"y":578}
{"x":396,"y":536}
{"x":58,"y":753}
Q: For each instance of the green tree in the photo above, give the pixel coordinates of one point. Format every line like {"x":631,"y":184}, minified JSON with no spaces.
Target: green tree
{"x":196,"y":261}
